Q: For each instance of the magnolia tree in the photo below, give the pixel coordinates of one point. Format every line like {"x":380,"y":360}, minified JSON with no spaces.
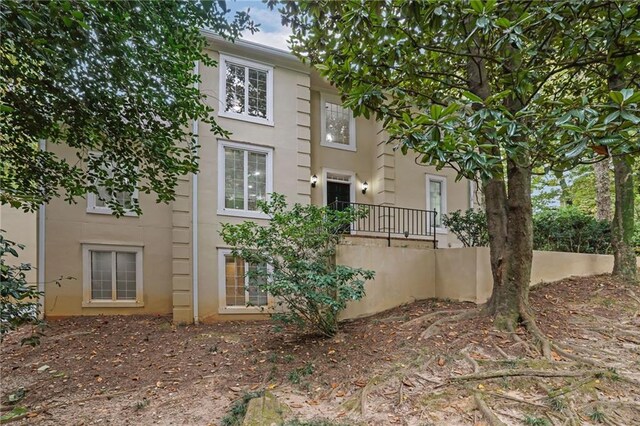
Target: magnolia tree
{"x":492,"y":89}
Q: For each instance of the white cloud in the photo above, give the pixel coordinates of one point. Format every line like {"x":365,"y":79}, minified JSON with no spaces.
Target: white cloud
{"x":272,"y":39}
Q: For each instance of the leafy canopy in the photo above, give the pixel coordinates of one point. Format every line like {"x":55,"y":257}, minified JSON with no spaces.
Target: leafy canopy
{"x":114,"y":77}
{"x":299,"y":245}
{"x":471,"y":84}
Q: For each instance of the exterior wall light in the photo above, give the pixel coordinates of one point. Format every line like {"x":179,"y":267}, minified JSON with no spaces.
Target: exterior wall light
{"x":314,"y":181}
{"x":365,"y":186}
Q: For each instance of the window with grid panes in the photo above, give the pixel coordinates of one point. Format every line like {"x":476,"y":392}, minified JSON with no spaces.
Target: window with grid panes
{"x":246,"y":175}
{"x":246,"y":89}
{"x":338,"y":124}
{"x":241,"y":285}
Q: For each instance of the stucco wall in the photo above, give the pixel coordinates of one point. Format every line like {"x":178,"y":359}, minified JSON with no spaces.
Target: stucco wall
{"x":69,"y":226}
{"x":403,"y":275}
{"x":21,"y":228}
{"x":465,"y":273}
{"x":289,"y":137}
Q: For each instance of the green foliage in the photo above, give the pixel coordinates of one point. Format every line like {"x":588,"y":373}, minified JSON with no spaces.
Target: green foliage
{"x":296,"y":375}
{"x":299,"y":245}
{"x":570,"y":230}
{"x":536,"y":421}
{"x":235,"y":416}
{"x":109,"y":76}
{"x":597,"y":415}
{"x":18,"y":300}
{"x":470,"y":228}
{"x":415,"y":66}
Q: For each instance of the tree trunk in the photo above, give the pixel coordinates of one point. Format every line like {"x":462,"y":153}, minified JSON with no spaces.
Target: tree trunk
{"x":510,"y":302}
{"x":622,"y":227}
{"x":624,"y":260}
{"x":603,"y":190}
{"x":495,"y":195}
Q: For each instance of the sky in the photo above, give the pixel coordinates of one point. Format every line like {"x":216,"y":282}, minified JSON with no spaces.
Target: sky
{"x":272,"y":32}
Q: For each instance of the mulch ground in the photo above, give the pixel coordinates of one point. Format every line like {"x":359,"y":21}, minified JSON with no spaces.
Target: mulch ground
{"x":382,"y":369}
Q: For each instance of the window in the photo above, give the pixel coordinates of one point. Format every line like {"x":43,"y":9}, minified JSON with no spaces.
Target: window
{"x":246,"y":90}
{"x":437,"y":198}
{"x":337,"y":123}
{"x":112,"y":275}
{"x":99,"y":203}
{"x":245,"y":177}
{"x":239,"y":286}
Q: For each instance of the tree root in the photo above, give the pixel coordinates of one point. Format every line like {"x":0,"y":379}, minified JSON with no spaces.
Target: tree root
{"x":62,"y":404}
{"x":467,"y":357}
{"x":488,"y":414}
{"x":525,"y":372}
{"x":424,"y":318}
{"x":530,"y":323}
{"x":513,"y":398}
{"x":433,"y":328}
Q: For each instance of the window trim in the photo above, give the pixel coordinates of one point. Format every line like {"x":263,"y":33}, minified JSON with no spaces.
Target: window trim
{"x":222,"y":293}
{"x":94,"y":209}
{"x":324,"y":98}
{"x":222,"y":210}
{"x":443,"y":181}
{"x":222,"y":112}
{"x":87,"y":302}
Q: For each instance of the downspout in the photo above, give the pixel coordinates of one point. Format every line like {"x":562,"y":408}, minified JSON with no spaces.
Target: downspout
{"x":194,"y":218}
{"x":41,"y":240}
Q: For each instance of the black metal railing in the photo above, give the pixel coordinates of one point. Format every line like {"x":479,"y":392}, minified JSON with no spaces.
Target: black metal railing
{"x":391,"y":221}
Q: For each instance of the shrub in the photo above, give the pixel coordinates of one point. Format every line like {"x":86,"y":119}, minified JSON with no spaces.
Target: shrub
{"x":571,"y":230}
{"x":299,"y":245}
{"x":18,"y":300}
{"x":470,"y":228}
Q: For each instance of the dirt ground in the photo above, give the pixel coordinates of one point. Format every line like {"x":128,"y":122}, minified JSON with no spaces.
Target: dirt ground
{"x":431,"y":362}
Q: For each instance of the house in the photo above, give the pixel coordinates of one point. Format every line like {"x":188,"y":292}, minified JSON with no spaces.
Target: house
{"x":289,"y":134}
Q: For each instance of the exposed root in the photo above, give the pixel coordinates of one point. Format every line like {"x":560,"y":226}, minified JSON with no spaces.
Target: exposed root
{"x":433,"y":328}
{"x":488,"y":414}
{"x":530,"y":323}
{"x":65,"y":403}
{"x":502,"y":352}
{"x":527,"y":373}
{"x":467,"y":357}
{"x":424,"y":318}
{"x":513,"y":398}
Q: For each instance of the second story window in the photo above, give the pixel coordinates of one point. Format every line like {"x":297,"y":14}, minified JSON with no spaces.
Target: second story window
{"x":245,"y":177}
{"x":246,"y":90}
{"x":338,"y":124}
{"x":100,"y":202}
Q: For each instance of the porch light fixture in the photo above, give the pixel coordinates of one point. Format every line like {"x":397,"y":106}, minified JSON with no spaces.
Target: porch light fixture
{"x":314,"y":181}
{"x":365,"y":186}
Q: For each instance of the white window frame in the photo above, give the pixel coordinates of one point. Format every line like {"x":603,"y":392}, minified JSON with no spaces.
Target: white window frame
{"x":324,"y":98}
{"x":222,"y":210}
{"x":342,"y":173}
{"x":93,"y":208}
{"x":222,"y":112}
{"x":443,"y":181}
{"x":222,"y":291}
{"x":87,"y":302}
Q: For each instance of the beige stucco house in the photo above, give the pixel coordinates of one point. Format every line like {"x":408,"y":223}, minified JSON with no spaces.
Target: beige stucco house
{"x":289,"y":134}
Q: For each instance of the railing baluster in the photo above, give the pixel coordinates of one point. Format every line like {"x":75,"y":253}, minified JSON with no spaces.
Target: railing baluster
{"x":397,"y":220}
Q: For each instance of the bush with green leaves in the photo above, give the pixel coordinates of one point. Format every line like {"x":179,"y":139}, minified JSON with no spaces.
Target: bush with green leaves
{"x":570,"y":230}
{"x":469,"y":227}
{"x":299,"y":245}
{"x":19,"y":302}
